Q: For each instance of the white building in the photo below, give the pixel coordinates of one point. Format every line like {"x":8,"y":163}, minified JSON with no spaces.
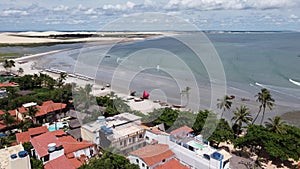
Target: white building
{"x":14,"y":157}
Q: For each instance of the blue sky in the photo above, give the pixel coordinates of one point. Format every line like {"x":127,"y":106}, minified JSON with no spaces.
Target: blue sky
{"x":18,"y":15}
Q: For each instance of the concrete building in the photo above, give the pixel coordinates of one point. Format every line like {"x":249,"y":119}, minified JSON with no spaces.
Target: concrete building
{"x":122,"y":131}
{"x":191,"y":150}
{"x":14,"y":157}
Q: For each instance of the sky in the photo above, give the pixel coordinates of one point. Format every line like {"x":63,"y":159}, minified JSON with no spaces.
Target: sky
{"x":94,"y":15}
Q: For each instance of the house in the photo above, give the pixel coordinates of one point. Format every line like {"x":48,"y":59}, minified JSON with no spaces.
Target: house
{"x":75,"y":130}
{"x":171,"y":164}
{"x":14,"y":157}
{"x":46,"y":112}
{"x":122,"y":131}
{"x":63,"y":162}
{"x":52,"y":145}
{"x":190,"y":150}
{"x":151,"y":156}
{"x":24,"y":137}
{"x":3,"y":126}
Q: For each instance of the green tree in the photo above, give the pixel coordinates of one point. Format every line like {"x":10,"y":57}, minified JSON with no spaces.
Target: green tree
{"x":276,"y":125}
{"x":8,"y":64}
{"x":265,"y":99}
{"x":32,"y":112}
{"x":200,"y":120}
{"x":167,"y":116}
{"x":224,"y":104}
{"x":222,"y":133}
{"x":241,"y":116}
{"x":8,"y":119}
{"x":111,"y":161}
{"x":60,"y":81}
{"x":36,"y":164}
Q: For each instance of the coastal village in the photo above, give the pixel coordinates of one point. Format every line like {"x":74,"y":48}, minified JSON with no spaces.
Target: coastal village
{"x":51,"y":127}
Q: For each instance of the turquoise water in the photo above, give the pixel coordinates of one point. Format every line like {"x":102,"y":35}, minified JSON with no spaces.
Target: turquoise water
{"x":57,"y":126}
{"x":250,"y":60}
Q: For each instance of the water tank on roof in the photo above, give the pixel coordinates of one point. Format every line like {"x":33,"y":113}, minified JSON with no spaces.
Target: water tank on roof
{"x":101,"y":119}
{"x":13,"y":156}
{"x":51,"y":147}
{"x":22,"y":154}
{"x":216,"y":155}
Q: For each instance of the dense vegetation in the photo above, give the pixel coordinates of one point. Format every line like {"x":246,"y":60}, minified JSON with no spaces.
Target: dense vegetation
{"x":110,"y":160}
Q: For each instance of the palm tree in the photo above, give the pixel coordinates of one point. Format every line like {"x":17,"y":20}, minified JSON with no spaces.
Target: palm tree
{"x":32,"y":112}
{"x":224,"y":104}
{"x":20,"y":71}
{"x":186,"y":92}
{"x":276,"y":125}
{"x":60,"y":80}
{"x":8,"y":64}
{"x":241,"y":115}
{"x":265,"y":99}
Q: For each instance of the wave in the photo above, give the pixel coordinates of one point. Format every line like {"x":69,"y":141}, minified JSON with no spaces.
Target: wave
{"x":294,"y":82}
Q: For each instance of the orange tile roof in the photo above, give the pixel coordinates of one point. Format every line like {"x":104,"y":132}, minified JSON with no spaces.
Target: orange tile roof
{"x":23,"y":137}
{"x":2,"y":125}
{"x":49,"y":106}
{"x":40,"y":143}
{"x":71,"y":145}
{"x":2,"y":112}
{"x":59,"y":163}
{"x":171,"y":164}
{"x":12,"y":112}
{"x":37,"y":130}
{"x":184,"y":129}
{"x":75,"y":162}
{"x":59,"y":133}
{"x":11,"y":84}
{"x":152,"y":129}
{"x":22,"y":110}
{"x":153,"y":154}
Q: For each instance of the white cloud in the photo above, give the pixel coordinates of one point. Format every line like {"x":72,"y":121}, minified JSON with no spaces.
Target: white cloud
{"x":61,"y":8}
{"x":90,"y":11}
{"x":292,"y":16}
{"x":129,"y":5}
{"x":14,"y":12}
{"x":229,"y":4}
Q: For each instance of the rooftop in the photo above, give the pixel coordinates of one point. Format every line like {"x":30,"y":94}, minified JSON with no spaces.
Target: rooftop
{"x":37,"y":130}
{"x":40,"y":143}
{"x":71,"y":145}
{"x":25,"y":136}
{"x":123,"y":131}
{"x":172,"y":164}
{"x":182,"y":130}
{"x":61,"y":162}
{"x":6,"y":152}
{"x":153,"y":154}
{"x":10,"y":84}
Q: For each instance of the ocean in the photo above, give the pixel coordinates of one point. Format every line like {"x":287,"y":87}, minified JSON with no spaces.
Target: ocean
{"x":164,"y":66}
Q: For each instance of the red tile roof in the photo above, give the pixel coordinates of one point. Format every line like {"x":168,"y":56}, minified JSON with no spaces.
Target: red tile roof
{"x":59,"y":163}
{"x":59,"y":133}
{"x":2,"y":112}
{"x":23,"y":137}
{"x":174,"y":163}
{"x":153,"y":154}
{"x":2,"y":125}
{"x":12,"y":112}
{"x":49,"y":106}
{"x":40,"y":143}
{"x":76,"y":163}
{"x":11,"y":84}
{"x":71,"y":145}
{"x":184,"y":129}
{"x":37,"y":130}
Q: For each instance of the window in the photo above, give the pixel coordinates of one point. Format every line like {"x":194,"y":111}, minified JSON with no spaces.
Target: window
{"x":137,"y":160}
{"x":141,"y":136}
{"x":143,"y":165}
{"x":120,"y":143}
{"x":147,"y":138}
{"x":129,"y":140}
{"x":164,"y":160}
{"x":46,"y":158}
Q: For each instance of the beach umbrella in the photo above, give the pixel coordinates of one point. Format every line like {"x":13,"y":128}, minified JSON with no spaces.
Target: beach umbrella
{"x":146,"y":95}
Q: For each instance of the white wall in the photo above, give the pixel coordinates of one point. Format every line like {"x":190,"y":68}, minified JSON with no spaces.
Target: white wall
{"x":133,"y":159}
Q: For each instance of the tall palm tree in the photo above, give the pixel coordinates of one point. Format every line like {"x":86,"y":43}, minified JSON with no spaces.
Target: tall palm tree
{"x":276,"y":125}
{"x":8,"y":64}
{"x":186,"y":92}
{"x":265,"y":99}
{"x":241,"y":116}
{"x":61,"y":79}
{"x":224,"y":104}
